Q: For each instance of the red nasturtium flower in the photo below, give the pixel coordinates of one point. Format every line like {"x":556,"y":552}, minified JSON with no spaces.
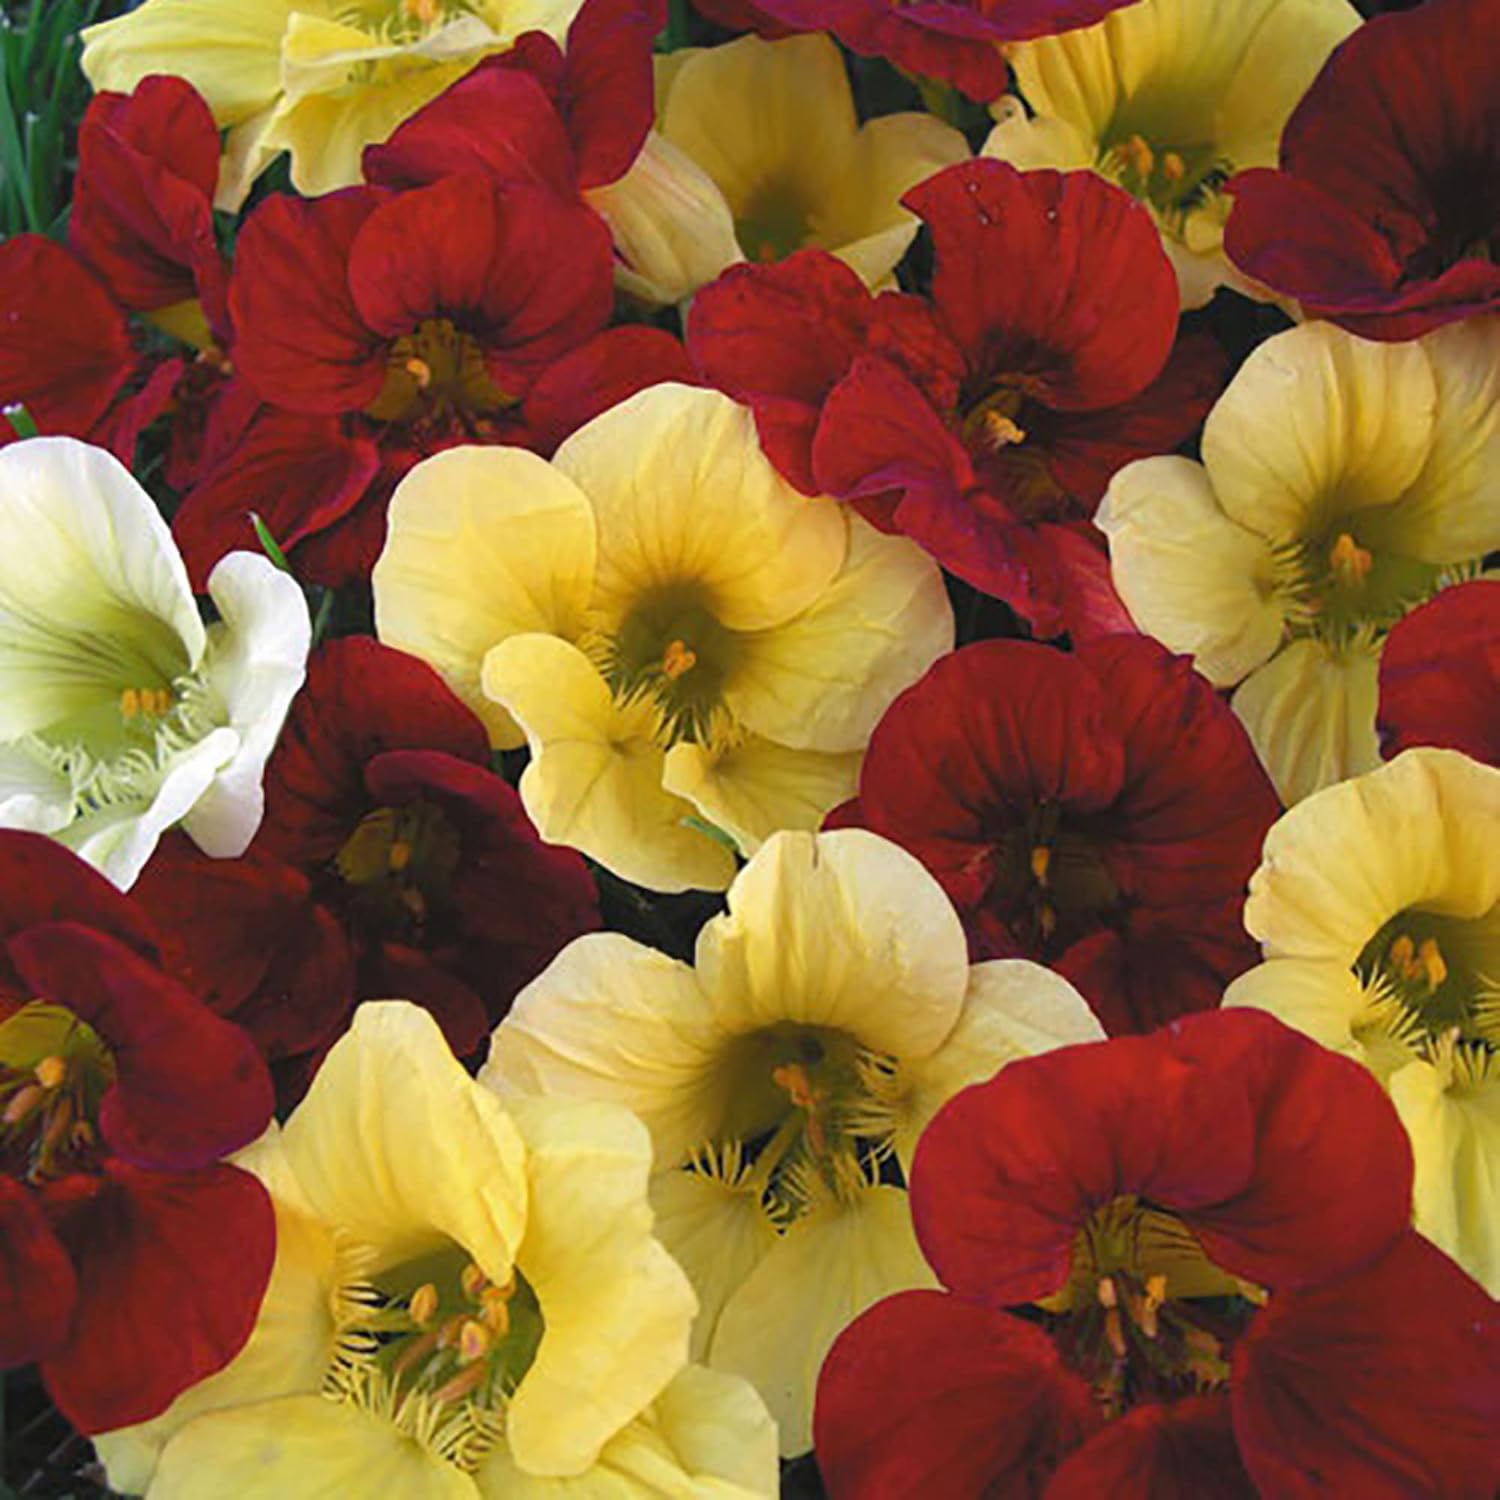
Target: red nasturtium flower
{"x":391,"y":861}
{"x":132,"y":1259}
{"x":1384,"y":216}
{"x":1099,"y":812}
{"x":985,"y":424}
{"x":1209,"y":1231}
{"x":1440,"y":675}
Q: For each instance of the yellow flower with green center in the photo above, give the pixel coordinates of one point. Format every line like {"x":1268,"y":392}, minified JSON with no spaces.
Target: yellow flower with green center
{"x":758,"y":152}
{"x":1342,"y":484}
{"x":1378,"y":905}
{"x":1168,"y":99}
{"x":695,"y":653}
{"x":468,"y":1301}
{"x":784,"y":1077}
{"x":322,"y":79}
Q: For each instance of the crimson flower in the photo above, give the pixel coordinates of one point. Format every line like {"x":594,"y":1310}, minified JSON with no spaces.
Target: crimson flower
{"x":986,"y":424}
{"x":1440,"y":675}
{"x":132,"y":1259}
{"x":1384,"y":216}
{"x":391,"y":861}
{"x":1208,"y":1229}
{"x":1099,"y":812}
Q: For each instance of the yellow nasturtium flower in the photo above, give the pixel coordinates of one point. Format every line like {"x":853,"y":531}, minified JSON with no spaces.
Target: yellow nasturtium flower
{"x":1378,"y":906}
{"x":468,"y":1301}
{"x":682,"y":638}
{"x":827,"y":1016}
{"x":1168,"y":99}
{"x":322,"y":79}
{"x":758,"y":152}
{"x":1343,"y":482}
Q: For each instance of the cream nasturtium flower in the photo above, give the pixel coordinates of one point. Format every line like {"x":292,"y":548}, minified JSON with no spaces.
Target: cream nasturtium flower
{"x":1168,"y":99}
{"x":758,"y":152}
{"x":121,"y":713}
{"x":1343,"y":482}
{"x":784,"y":1076}
{"x":683,"y":639}
{"x":1378,"y":906}
{"x":322,"y":79}
{"x":468,"y":1301}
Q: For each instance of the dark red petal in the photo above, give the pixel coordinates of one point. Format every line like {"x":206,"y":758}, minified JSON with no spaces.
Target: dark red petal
{"x":246,"y":936}
{"x":1440,"y":675}
{"x":299,"y":473}
{"x":142,"y":213}
{"x":38,"y":1287}
{"x":608,"y":87}
{"x":65,"y":348}
{"x":1087,"y":309}
{"x":496,"y":119}
{"x":599,"y":374}
{"x":1383,"y":1384}
{"x":360,"y":700}
{"x":1181,"y":1451}
{"x":120,"y":428}
{"x":394,"y":969}
{"x":300,"y":339}
{"x":171,"y":1270}
{"x":188,"y":1086}
{"x":1090,"y":605}
{"x":925,"y":1395}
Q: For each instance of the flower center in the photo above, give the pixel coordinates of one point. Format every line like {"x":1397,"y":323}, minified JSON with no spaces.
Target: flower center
{"x":398,"y":21}
{"x":399,"y":864}
{"x":434,"y":374}
{"x":1173,"y":178}
{"x":54,"y":1070}
{"x":1007,"y":434}
{"x":1145,"y":1315}
{"x":774,"y":224}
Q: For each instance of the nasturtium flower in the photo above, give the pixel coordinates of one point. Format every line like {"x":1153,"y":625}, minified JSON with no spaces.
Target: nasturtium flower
{"x":1204,"y":1233}
{"x":121,"y":713}
{"x":319,"y":78}
{"x":757,"y":153}
{"x":1378,"y":906}
{"x":119,"y":1095}
{"x":1385,"y":214}
{"x":1168,"y":98}
{"x":680,"y":636}
{"x":1343,"y":483}
{"x":468,"y":1299}
{"x":827,"y":1016}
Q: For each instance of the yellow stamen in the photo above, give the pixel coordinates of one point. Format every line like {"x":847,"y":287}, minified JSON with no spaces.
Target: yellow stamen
{"x":1108,"y":1296}
{"x":494,"y":1311}
{"x":1350,"y":562}
{"x":1041,"y":862}
{"x":677,"y":659}
{"x":424,"y":1304}
{"x":50,"y":1072}
{"x":473,"y":1281}
{"x":423,"y":11}
{"x":420,"y":371}
{"x":799,"y":1089}
{"x":399,"y":856}
{"x":1002,"y":432}
{"x":1173,"y":168}
{"x":1430,"y":963}
{"x":1139,"y":156}
{"x":130,"y":703}
{"x":1400,"y":955}
{"x":473,"y":1342}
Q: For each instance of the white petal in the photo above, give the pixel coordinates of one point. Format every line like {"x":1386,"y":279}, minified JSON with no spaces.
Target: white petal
{"x":33,"y":795}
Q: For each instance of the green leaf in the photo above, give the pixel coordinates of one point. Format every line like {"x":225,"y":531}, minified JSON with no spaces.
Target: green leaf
{"x":269,"y":545}
{"x":717,"y":834}
{"x":19,"y":418}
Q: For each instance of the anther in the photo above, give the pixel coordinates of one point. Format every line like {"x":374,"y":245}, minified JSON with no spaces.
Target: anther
{"x":423,"y":11}
{"x":399,"y":856}
{"x":1002,"y":432}
{"x":1430,"y":963}
{"x":1401,"y":955}
{"x":678,"y":659}
{"x":473,"y":1281}
{"x":473,"y":1341}
{"x":50,"y":1072}
{"x":1350,"y":562}
{"x":1139,"y":156}
{"x":465,"y":1381}
{"x":22,"y":1103}
{"x":423,"y":1305}
{"x":1108,"y":1296}
{"x":130,"y":703}
{"x":1041,"y":862}
{"x":1173,"y":168}
{"x":494,"y":1311}
{"x":420,"y":371}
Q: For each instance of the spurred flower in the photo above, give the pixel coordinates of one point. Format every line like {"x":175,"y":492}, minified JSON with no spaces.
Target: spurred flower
{"x":119,"y":1094}
{"x":1385,"y":216}
{"x":1099,"y":812}
{"x":392,"y":861}
{"x":1440,"y":675}
{"x":987,"y":423}
{"x":1143,"y":1197}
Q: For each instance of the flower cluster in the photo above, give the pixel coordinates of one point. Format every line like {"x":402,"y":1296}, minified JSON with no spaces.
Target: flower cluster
{"x":751,"y":744}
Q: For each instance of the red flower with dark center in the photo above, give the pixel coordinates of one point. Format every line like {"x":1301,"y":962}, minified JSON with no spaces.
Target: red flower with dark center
{"x":391,"y":861}
{"x":119,"y":1094}
{"x":1100,"y":812}
{"x":987,"y":424}
{"x":1208,"y":1229}
{"x":1440,"y":675}
{"x":1385,"y":214}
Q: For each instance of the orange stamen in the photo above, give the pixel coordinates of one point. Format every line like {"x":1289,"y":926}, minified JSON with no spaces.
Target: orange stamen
{"x":1350,"y":562}
{"x":679,"y":658}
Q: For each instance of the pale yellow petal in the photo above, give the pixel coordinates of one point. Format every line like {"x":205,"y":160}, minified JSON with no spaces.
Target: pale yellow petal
{"x":1321,"y":998}
{"x":395,"y":1145}
{"x":842,"y":930}
{"x":755,"y":787}
{"x":301,"y":1448}
{"x":1196,"y":580}
{"x":1029,"y":143}
{"x":833,"y":1263}
{"x":1310,"y":713}
{"x":595,"y":778}
{"x":610,"y":1019}
{"x":617,"y":1308}
{"x":822,"y":679}
{"x":482,"y":544}
{"x":684,"y":497}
